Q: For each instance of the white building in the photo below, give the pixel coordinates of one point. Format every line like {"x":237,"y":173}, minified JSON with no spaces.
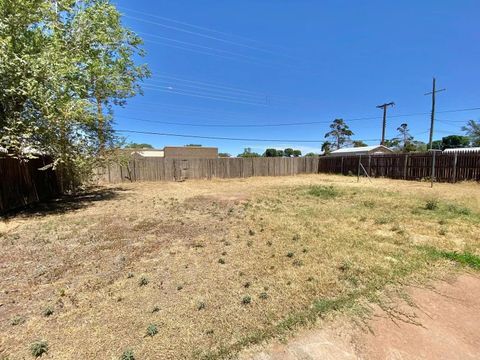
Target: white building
{"x":362,"y":150}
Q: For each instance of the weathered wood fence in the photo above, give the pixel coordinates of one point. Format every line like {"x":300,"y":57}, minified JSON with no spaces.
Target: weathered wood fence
{"x":22,"y":183}
{"x":448,"y":167}
{"x":164,"y":169}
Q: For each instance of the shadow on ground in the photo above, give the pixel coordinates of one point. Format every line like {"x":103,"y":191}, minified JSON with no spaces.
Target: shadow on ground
{"x":65,"y":203}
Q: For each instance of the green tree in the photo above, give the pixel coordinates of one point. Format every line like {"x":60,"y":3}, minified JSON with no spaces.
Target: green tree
{"x":472,"y":129}
{"x":138,"y":146}
{"x":340,"y":133}
{"x":224,"y":155}
{"x":288,"y":152}
{"x":311,"y":154}
{"x":248,"y":153}
{"x":359,"y":143}
{"x":63,"y":65}
{"x":455,"y":141}
{"x":327,"y":147}
{"x":404,"y":135}
{"x":297,"y":153}
{"x":271,"y":152}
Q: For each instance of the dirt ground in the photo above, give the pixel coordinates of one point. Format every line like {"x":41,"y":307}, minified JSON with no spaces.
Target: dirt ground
{"x":443,"y":323}
{"x":206,"y":269}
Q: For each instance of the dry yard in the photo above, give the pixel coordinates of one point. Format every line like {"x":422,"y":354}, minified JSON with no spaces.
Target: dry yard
{"x":204,"y":269}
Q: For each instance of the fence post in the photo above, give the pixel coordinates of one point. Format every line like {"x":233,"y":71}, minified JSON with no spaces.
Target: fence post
{"x":341,"y":167}
{"x":433,"y":168}
{"x":369,"y":164}
{"x":405,"y":168}
{"x":455,"y":168}
{"x":358,"y":171}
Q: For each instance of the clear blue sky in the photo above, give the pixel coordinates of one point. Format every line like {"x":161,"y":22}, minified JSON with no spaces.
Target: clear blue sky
{"x":272,"y":62}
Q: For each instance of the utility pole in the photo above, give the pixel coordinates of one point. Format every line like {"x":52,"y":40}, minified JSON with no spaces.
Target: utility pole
{"x":432,"y":116}
{"x":384,"y":107}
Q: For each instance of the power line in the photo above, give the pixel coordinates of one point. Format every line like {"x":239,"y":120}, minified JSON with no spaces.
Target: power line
{"x":225,"y":138}
{"x":203,"y":35}
{"x":207,"y":89}
{"x":199,"y":95}
{"x":270,"y":125}
{"x":186,"y":43}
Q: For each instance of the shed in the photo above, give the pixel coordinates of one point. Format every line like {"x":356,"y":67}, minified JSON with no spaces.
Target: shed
{"x":190,"y":152}
{"x":362,"y":150}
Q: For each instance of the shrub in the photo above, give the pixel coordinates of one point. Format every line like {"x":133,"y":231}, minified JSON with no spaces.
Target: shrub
{"x":297,"y":263}
{"x":152,"y":330}
{"x":48,"y":311}
{"x":246,"y":300}
{"x":38,"y":348}
{"x":431,"y":204}
{"x":290,"y":254}
{"x":127,"y":355}
{"x":143,"y":281}
{"x":17,"y":320}
{"x":201,"y":305}
{"x":263,"y":296}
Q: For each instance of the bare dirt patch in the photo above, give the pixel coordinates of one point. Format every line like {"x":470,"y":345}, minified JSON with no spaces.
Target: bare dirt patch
{"x":443,"y":324}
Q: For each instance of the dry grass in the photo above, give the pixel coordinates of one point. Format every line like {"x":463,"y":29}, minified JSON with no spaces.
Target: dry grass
{"x":218,"y":265}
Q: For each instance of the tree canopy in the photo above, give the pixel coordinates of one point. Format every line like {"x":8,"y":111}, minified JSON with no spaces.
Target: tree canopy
{"x":339,"y":134}
{"x":64,"y":64}
{"x":472,"y":129}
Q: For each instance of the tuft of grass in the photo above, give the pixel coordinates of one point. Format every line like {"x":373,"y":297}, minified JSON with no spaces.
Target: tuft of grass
{"x":127,"y":355}
{"x":17,"y":320}
{"x":324,"y":192}
{"x":155,"y":309}
{"x":465,"y":258}
{"x":201,"y":305}
{"x":297,"y":262}
{"x":246,"y":300}
{"x":129,"y":275}
{"x":143,"y":281}
{"x":48,"y":311}
{"x":431,"y":204}
{"x":290,"y":254}
{"x":221,"y":261}
{"x":382,"y":220}
{"x":38,"y":348}
{"x":263,"y":296}
{"x":458,"y":210}
{"x":152,"y":330}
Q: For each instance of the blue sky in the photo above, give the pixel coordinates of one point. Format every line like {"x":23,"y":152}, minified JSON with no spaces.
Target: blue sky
{"x":271,"y":62}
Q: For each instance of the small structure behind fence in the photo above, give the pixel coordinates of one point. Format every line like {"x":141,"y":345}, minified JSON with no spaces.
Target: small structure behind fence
{"x":22,"y":183}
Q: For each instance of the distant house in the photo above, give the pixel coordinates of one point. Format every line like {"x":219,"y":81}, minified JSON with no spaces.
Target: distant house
{"x":362,"y":150}
{"x":178,"y":152}
{"x":461,"y":150}
{"x":149,"y":153}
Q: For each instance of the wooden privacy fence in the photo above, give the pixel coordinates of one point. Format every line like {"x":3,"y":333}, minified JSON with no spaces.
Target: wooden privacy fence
{"x":448,"y":167}
{"x":164,"y":169}
{"x":22,"y":183}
